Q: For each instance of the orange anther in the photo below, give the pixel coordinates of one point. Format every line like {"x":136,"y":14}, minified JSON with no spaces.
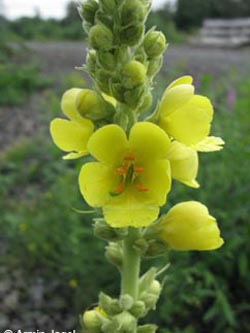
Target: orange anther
{"x":138,"y":169}
{"x":129,"y":158}
{"x":121,"y":170}
{"x":140,"y":188}
{"x":119,"y":189}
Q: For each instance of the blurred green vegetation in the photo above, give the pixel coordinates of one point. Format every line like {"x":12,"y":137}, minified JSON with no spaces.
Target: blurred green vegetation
{"x":204,"y":291}
{"x":190,"y":14}
{"x":19,"y":75}
{"x":70,"y":27}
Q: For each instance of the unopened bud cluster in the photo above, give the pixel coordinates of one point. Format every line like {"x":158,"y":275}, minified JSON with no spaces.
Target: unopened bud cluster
{"x":122,"y":59}
{"x":121,"y":315}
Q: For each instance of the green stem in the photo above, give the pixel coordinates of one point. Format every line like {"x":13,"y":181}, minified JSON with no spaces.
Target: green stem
{"x":131,"y":264}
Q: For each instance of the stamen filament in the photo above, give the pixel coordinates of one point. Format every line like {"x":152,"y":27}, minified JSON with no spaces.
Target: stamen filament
{"x":140,"y":188}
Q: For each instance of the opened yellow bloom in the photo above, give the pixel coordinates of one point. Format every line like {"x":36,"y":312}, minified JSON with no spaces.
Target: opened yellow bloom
{"x":71,"y":135}
{"x":184,"y":163}
{"x":132,"y":176}
{"x":187,"y":117}
{"x":188,"y":226}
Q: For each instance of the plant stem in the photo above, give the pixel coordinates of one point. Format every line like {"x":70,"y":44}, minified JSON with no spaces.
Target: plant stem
{"x":131,"y":264}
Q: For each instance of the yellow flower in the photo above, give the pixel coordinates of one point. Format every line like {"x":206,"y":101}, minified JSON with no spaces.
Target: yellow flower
{"x":132,"y":176}
{"x":71,"y":135}
{"x":188,"y":226}
{"x":184,"y":163}
{"x":187,"y":117}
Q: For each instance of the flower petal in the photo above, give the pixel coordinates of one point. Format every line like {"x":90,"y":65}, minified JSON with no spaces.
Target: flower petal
{"x":108,"y":144}
{"x":148,"y":142}
{"x":68,"y":103}
{"x":184,"y":163}
{"x":191,"y":123}
{"x":186,"y":79}
{"x":157,"y":179}
{"x":175,"y":98}
{"x":96,"y":181}
{"x":70,"y":135}
{"x":209,"y":144}
{"x":130,"y":209}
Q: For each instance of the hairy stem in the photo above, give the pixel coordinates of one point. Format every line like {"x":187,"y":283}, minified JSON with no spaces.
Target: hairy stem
{"x":131,"y":265}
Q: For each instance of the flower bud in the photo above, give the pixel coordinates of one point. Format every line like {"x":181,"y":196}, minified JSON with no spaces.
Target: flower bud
{"x":91,"y":105}
{"x":132,"y":35}
{"x":107,"y":60}
{"x":134,"y":74}
{"x":126,"y":302}
{"x":100,"y":37}
{"x":87,"y":10}
{"x":132,"y":12}
{"x":102,"y":79}
{"x":154,"y":43}
{"x":108,"y":5}
{"x":138,"y":309}
{"x":91,"y":62}
{"x":104,"y":231}
{"x":109,"y":305}
{"x":114,"y":254}
{"x":183,"y":163}
{"x":188,"y":226}
{"x":154,"y":66}
{"x":146,"y":103}
{"x":92,"y":320}
{"x":149,"y":300}
{"x":126,"y":321}
{"x":133,"y":97}
{"x":147,"y":329}
{"x":155,"y":288}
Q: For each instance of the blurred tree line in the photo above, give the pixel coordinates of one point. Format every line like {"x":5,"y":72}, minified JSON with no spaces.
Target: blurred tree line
{"x":173,"y":20}
{"x":190,"y":14}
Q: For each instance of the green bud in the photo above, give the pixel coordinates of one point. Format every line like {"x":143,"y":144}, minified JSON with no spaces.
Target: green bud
{"x":92,"y":321}
{"x":91,"y":62}
{"x":134,"y":74}
{"x":121,"y":119}
{"x":147,"y":329}
{"x":110,"y":327}
{"x":154,"y":43}
{"x":103,"y":79}
{"x":140,"y":55}
{"x":155,"y":288}
{"x":126,"y":302}
{"x":104,"y":231}
{"x":114,"y":254}
{"x":109,"y":305}
{"x":147,"y":102}
{"x":87,"y":10}
{"x":150,"y":300}
{"x":102,"y":18}
{"x":154,"y":66}
{"x":156,"y":248}
{"x":100,"y":37}
{"x":91,"y":105}
{"x":132,"y":12}
{"x":138,"y":309}
{"x":106,"y":60}
{"x":127,"y":322}
{"x":147,"y":279}
{"x":132,"y":35}
{"x":133,"y":97}
{"x":117,"y":91}
{"x":108,"y":5}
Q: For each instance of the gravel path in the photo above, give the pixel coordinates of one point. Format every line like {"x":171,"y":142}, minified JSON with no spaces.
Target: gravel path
{"x":58,"y":59}
{"x":62,"y":57}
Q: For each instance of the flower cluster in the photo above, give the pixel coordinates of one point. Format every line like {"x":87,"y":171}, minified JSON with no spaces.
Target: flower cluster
{"x":135,"y":154}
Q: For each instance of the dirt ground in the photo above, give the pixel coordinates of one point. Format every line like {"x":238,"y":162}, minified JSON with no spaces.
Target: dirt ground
{"x":58,"y":59}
